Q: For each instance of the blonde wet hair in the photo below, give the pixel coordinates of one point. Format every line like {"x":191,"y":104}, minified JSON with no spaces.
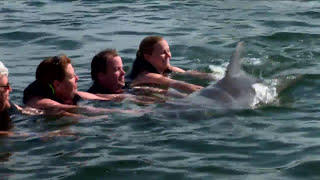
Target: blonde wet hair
{"x":3,"y":69}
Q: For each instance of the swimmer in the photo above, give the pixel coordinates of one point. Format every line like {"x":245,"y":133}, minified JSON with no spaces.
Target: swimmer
{"x":108,"y":79}
{"x":56,"y":88}
{"x":7,"y":108}
{"x":107,"y":74}
{"x":152,"y":66}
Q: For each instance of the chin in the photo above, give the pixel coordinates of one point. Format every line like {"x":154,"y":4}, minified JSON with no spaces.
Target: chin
{"x":5,"y":106}
{"x":8,"y":105}
{"x":121,"y":83}
{"x":120,"y":86}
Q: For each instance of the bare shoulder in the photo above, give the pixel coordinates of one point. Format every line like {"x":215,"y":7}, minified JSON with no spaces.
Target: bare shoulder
{"x":40,"y":102}
{"x":83,"y":94}
{"x":176,"y":69}
{"x":151,"y":78}
{"x":87,"y":95}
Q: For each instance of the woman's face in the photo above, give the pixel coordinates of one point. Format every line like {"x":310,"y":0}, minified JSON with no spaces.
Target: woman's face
{"x":5,"y":90}
{"x":67,"y":88}
{"x":160,"y":56}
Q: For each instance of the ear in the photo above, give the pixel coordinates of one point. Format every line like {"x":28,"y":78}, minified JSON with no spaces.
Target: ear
{"x":56,"y":84}
{"x":146,"y":56}
{"x":100,"y":75}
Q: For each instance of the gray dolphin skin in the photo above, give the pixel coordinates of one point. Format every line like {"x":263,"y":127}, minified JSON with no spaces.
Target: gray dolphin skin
{"x":234,"y":90}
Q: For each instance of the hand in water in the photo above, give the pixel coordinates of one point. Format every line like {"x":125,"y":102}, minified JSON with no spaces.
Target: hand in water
{"x":58,"y":133}
{"x":94,"y":110}
{"x":148,"y":90}
{"x":195,"y":87}
{"x":200,"y":75}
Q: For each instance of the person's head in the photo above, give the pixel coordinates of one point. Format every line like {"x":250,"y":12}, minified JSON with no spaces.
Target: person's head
{"x":107,"y":70}
{"x":156,"y":51}
{"x":5,"y":88}
{"x":58,"y":73}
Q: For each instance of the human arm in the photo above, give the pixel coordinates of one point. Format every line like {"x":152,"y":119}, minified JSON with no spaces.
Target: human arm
{"x":192,"y":73}
{"x":198,"y":74}
{"x":112,"y":97}
{"x":6,"y":133}
{"x":145,"y":90}
{"x":161,"y":80}
{"x":45,"y":103}
{"x":90,"y":96}
{"x":50,"y":107}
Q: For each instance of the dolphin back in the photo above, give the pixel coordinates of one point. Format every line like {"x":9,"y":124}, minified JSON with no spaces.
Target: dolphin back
{"x":235,"y":88}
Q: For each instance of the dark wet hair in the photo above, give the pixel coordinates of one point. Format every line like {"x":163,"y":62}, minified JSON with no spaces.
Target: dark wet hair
{"x":140,"y":64}
{"x":147,"y":45}
{"x":52,"y":68}
{"x":99,"y":62}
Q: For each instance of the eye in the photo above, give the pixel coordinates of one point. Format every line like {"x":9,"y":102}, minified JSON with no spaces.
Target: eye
{"x":166,"y":51}
{"x":118,"y":68}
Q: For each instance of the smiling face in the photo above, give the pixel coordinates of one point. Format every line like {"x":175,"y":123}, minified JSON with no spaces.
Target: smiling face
{"x":5,"y":90}
{"x":113,"y":78}
{"x":160,"y":57}
{"x":66,"y":89}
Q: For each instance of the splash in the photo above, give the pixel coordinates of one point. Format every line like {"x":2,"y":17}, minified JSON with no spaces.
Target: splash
{"x":264,"y":94}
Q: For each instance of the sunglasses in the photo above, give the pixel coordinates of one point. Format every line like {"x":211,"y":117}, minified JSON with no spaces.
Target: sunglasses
{"x":6,"y":87}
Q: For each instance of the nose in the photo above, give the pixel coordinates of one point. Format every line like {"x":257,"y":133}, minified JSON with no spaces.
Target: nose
{"x":123,"y":72}
{"x":76,"y":78}
{"x":168,"y":53}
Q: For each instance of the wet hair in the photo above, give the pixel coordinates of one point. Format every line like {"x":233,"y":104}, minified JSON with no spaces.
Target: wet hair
{"x":99,"y":62}
{"x":140,"y":64}
{"x":52,"y":68}
{"x":3,"y":69}
{"x":147,"y":45}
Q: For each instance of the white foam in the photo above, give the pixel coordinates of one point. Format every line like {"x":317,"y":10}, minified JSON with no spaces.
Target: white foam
{"x":264,"y":94}
{"x":217,"y":71}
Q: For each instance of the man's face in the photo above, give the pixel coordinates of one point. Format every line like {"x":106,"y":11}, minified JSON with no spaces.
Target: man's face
{"x":113,"y":79}
{"x":5,"y":90}
{"x":67,"y":88}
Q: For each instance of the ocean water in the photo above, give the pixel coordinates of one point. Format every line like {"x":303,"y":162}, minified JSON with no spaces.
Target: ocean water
{"x":280,"y":140}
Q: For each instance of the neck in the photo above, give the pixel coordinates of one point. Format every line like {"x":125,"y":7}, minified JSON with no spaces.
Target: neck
{"x":115,"y":90}
{"x":5,"y":106}
{"x":161,"y":70}
{"x":65,"y":100}
{"x":119,"y":91}
{"x":110,"y":89}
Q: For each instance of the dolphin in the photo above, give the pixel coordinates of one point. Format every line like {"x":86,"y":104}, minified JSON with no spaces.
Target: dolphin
{"x":235,"y":90}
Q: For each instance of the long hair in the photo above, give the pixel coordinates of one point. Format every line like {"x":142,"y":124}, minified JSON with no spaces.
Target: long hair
{"x":140,"y":64}
{"x":52,"y":68}
{"x":147,"y":45}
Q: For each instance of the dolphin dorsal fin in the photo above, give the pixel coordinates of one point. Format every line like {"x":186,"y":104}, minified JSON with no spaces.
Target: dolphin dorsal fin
{"x":234,"y":67}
